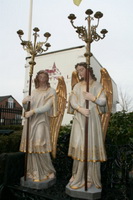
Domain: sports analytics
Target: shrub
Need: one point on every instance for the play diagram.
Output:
(120, 130)
(10, 143)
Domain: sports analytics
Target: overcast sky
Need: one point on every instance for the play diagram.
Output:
(115, 52)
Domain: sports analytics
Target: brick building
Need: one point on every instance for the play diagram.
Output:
(10, 111)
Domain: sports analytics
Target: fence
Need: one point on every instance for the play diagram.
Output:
(10, 116)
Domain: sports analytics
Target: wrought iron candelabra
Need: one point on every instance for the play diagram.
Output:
(88, 35)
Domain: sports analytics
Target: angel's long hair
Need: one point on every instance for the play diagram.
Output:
(83, 64)
(36, 80)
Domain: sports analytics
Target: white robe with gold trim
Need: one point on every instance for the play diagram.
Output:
(96, 150)
(39, 165)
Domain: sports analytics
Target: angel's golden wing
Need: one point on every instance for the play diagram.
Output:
(108, 89)
(55, 122)
(74, 79)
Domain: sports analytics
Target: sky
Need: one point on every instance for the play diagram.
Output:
(114, 52)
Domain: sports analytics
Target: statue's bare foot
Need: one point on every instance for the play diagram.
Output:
(89, 185)
(71, 179)
(51, 175)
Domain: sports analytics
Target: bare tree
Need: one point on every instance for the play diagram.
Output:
(125, 101)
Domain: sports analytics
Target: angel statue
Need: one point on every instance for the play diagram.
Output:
(47, 107)
(98, 114)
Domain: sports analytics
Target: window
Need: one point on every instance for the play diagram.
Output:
(17, 116)
(10, 102)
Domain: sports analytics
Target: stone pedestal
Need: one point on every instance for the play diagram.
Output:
(92, 193)
(37, 185)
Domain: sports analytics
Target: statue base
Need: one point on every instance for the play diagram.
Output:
(92, 193)
(37, 185)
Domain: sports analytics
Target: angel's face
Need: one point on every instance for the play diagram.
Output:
(81, 71)
(43, 78)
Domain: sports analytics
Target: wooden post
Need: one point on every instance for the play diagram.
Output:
(28, 108)
(87, 102)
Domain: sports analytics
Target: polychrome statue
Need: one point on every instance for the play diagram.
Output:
(47, 107)
(98, 114)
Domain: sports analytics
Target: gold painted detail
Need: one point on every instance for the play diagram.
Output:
(37, 180)
(75, 158)
(74, 79)
(55, 122)
(74, 187)
(30, 152)
(108, 88)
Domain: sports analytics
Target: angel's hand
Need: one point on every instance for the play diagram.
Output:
(26, 99)
(29, 113)
(84, 111)
(88, 96)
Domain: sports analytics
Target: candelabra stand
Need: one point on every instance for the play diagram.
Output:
(33, 49)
